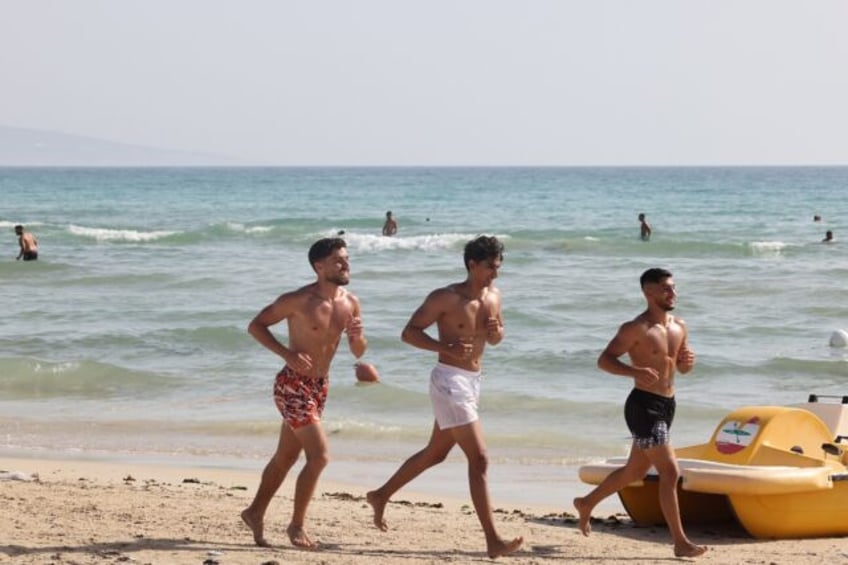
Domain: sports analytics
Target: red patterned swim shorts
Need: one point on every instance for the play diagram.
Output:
(300, 399)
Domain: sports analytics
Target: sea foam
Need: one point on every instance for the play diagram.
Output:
(132, 236)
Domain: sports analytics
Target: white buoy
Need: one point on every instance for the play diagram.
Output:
(839, 338)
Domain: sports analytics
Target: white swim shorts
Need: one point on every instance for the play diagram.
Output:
(454, 394)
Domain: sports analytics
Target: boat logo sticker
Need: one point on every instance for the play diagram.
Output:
(735, 436)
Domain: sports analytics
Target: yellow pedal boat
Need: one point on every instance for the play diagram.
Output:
(780, 471)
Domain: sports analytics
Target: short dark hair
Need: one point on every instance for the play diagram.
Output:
(325, 247)
(482, 248)
(653, 275)
(19, 227)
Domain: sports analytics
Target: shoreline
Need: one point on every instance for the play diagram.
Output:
(545, 487)
(94, 511)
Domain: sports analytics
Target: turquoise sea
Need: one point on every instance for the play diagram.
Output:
(128, 337)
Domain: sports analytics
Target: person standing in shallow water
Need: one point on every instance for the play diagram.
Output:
(644, 228)
(390, 228)
(317, 315)
(27, 243)
(657, 344)
(467, 316)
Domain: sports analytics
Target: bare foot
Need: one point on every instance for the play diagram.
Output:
(298, 537)
(689, 550)
(502, 548)
(379, 507)
(585, 514)
(256, 526)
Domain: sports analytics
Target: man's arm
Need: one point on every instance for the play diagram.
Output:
(356, 331)
(436, 305)
(425, 316)
(495, 323)
(273, 314)
(610, 361)
(685, 356)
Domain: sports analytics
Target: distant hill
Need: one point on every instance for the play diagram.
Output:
(40, 148)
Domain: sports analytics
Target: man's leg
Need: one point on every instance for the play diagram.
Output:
(288, 450)
(440, 444)
(470, 440)
(314, 443)
(635, 469)
(663, 459)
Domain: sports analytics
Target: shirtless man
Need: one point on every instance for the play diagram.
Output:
(657, 344)
(317, 315)
(390, 227)
(467, 316)
(28, 243)
(644, 228)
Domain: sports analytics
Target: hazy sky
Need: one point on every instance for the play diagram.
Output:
(451, 82)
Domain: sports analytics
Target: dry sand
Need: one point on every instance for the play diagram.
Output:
(117, 512)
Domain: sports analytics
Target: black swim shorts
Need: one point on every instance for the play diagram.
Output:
(649, 417)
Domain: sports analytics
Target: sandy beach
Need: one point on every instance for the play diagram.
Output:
(71, 511)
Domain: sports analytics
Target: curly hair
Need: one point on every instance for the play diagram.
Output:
(323, 248)
(482, 248)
